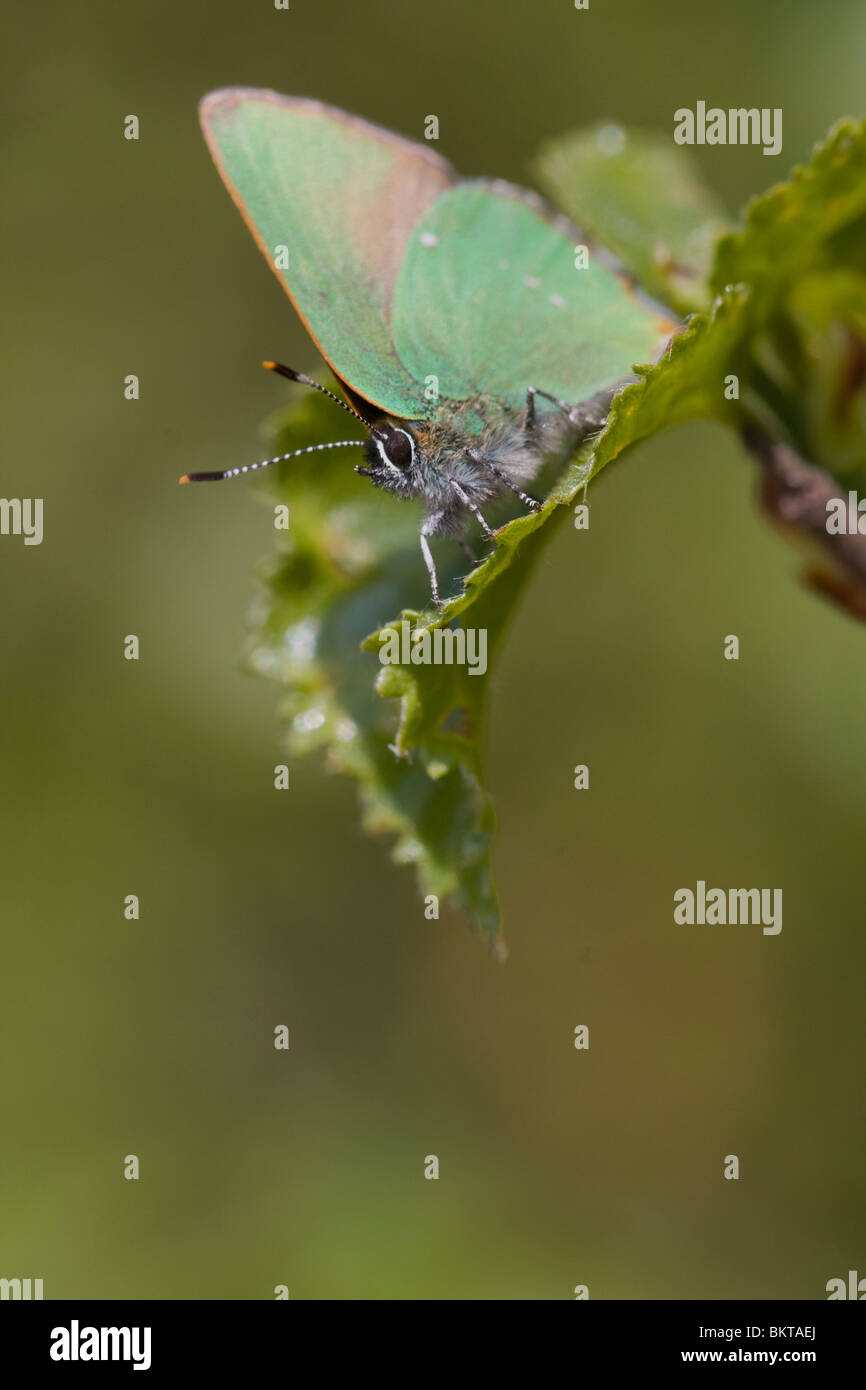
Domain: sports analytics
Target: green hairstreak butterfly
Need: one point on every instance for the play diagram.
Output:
(471, 335)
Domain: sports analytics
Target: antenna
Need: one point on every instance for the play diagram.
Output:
(291, 375)
(266, 463)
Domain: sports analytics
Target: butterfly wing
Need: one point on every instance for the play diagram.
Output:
(342, 197)
(490, 300)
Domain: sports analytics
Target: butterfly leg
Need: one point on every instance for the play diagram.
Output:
(428, 528)
(502, 477)
(529, 412)
(471, 507)
(587, 416)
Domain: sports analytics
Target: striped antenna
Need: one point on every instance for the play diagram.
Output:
(266, 463)
(291, 375)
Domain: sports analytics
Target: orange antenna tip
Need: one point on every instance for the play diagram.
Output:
(271, 366)
(184, 479)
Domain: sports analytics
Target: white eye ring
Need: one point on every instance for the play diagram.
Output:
(384, 457)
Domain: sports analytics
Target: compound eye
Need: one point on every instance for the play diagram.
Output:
(399, 448)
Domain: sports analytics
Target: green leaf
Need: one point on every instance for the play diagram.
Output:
(814, 218)
(788, 319)
(639, 195)
(350, 557)
(800, 263)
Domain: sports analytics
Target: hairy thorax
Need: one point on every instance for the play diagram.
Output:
(432, 457)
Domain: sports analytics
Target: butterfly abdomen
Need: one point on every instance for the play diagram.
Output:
(512, 449)
(450, 451)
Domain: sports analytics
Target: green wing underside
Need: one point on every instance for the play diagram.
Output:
(489, 299)
(401, 275)
(342, 197)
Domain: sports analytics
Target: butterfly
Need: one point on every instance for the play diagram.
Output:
(472, 333)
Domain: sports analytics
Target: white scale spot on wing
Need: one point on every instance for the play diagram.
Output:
(429, 239)
(531, 282)
(557, 301)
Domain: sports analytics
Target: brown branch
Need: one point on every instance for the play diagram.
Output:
(794, 494)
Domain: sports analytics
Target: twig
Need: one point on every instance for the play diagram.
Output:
(795, 494)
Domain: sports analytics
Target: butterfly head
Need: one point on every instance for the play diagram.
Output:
(393, 457)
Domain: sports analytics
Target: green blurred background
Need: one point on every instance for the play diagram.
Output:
(155, 1037)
